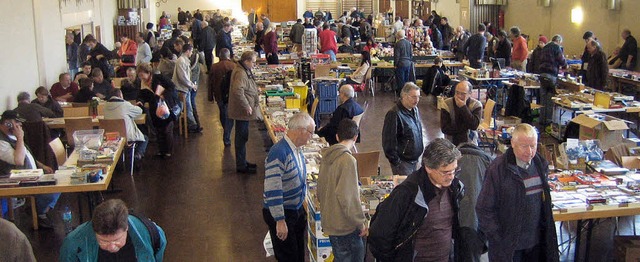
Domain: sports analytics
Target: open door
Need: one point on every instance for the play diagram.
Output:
(276, 10)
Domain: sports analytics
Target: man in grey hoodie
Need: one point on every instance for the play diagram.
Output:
(339, 196)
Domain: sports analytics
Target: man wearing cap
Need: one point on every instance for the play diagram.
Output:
(15, 155)
(533, 65)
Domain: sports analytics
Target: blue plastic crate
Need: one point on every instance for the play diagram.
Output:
(327, 106)
(327, 90)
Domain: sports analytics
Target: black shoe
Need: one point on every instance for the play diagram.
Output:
(45, 223)
(246, 170)
(196, 130)
(251, 165)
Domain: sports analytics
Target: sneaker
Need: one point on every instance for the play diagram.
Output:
(45, 223)
(18, 202)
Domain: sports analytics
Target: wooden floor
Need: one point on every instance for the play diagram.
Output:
(208, 211)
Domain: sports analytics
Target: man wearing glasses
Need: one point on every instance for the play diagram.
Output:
(514, 205)
(461, 115)
(419, 218)
(285, 189)
(113, 235)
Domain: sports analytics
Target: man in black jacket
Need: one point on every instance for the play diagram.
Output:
(419, 219)
(402, 132)
(224, 39)
(348, 108)
(207, 43)
(514, 205)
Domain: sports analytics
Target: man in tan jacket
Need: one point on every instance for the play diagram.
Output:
(339, 196)
(243, 107)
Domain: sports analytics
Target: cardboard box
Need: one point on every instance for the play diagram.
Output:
(607, 129)
(508, 121)
(627, 248)
(631, 162)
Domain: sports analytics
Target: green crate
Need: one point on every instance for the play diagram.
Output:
(279, 93)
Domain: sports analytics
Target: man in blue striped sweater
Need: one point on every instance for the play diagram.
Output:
(285, 188)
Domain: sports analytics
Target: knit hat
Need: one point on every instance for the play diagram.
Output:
(543, 39)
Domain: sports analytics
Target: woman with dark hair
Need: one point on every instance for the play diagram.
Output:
(358, 76)
(154, 88)
(503, 48)
(167, 62)
(371, 43)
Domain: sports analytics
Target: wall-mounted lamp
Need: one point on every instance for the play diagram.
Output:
(545, 3)
(613, 4)
(576, 15)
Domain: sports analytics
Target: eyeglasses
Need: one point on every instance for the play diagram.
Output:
(119, 241)
(310, 132)
(449, 173)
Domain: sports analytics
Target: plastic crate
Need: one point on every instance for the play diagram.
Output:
(327, 106)
(327, 90)
(278, 93)
(292, 103)
(302, 91)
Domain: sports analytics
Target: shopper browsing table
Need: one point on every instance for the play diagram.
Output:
(402, 59)
(551, 59)
(284, 190)
(598, 69)
(520, 50)
(219, 82)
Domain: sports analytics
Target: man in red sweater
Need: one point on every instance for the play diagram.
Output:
(64, 90)
(520, 50)
(328, 43)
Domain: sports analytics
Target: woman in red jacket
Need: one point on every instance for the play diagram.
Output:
(127, 52)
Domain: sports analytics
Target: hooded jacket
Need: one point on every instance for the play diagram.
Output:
(338, 192)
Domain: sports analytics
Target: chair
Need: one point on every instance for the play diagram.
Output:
(367, 163)
(367, 82)
(183, 125)
(101, 109)
(77, 104)
(58, 150)
(75, 111)
(314, 108)
(118, 125)
(487, 139)
(74, 124)
(357, 119)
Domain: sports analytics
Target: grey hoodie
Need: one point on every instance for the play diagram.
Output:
(338, 192)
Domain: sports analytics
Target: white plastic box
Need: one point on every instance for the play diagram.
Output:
(91, 139)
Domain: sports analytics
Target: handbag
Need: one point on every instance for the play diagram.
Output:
(162, 111)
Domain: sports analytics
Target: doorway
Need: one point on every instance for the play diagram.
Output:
(276, 10)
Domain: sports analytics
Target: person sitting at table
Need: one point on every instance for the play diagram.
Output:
(130, 86)
(86, 91)
(114, 235)
(65, 89)
(44, 99)
(614, 60)
(346, 46)
(85, 72)
(117, 108)
(348, 108)
(371, 44)
(15, 155)
(101, 86)
(358, 76)
(436, 79)
(31, 112)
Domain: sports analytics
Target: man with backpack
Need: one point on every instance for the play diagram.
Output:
(113, 234)
(219, 82)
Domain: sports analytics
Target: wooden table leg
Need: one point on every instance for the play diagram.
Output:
(10, 214)
(34, 212)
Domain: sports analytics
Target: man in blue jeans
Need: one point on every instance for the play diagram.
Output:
(402, 58)
(342, 216)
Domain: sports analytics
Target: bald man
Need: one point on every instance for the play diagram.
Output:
(461, 115)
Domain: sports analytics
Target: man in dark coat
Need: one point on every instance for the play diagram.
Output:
(207, 43)
(474, 47)
(224, 40)
(348, 109)
(99, 57)
(629, 51)
(514, 205)
(598, 69)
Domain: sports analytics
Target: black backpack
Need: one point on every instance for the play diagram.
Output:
(225, 85)
(151, 228)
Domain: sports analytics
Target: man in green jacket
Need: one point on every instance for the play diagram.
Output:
(339, 196)
(113, 233)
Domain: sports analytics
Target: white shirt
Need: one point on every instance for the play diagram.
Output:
(144, 53)
(6, 155)
(297, 152)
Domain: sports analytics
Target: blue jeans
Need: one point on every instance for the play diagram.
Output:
(242, 136)
(191, 121)
(349, 248)
(227, 124)
(332, 54)
(46, 201)
(73, 71)
(402, 76)
(141, 146)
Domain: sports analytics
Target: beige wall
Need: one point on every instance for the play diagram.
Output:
(556, 19)
(449, 9)
(171, 7)
(33, 51)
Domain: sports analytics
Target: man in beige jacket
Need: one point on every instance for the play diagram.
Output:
(243, 107)
(339, 196)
